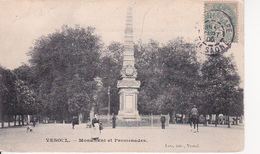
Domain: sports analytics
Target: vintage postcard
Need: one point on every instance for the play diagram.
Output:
(122, 76)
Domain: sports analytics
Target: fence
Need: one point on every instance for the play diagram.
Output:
(145, 121)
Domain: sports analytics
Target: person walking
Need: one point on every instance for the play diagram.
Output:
(75, 121)
(34, 121)
(114, 121)
(163, 120)
(95, 131)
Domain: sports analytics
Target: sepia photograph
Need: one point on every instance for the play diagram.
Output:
(122, 76)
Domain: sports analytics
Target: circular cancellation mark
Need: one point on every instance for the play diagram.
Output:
(218, 33)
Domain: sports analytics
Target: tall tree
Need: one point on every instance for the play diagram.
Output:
(57, 58)
(7, 93)
(168, 74)
(221, 81)
(181, 72)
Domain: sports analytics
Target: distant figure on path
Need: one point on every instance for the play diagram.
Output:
(75, 121)
(95, 133)
(233, 122)
(114, 121)
(163, 120)
(194, 118)
(34, 121)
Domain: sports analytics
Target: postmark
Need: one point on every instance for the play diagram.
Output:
(220, 27)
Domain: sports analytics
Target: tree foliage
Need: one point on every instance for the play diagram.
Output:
(64, 59)
(221, 81)
(25, 99)
(110, 67)
(16, 95)
(8, 91)
(168, 74)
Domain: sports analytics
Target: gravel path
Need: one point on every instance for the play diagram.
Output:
(175, 138)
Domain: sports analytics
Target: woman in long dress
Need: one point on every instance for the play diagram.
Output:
(95, 133)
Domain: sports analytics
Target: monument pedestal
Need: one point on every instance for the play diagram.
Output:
(128, 99)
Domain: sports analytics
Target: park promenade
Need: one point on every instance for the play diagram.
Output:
(175, 138)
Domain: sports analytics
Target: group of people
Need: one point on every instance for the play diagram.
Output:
(193, 117)
(96, 125)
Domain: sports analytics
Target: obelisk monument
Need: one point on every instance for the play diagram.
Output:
(128, 85)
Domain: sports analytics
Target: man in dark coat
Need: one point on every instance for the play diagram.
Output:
(114, 121)
(163, 120)
(74, 121)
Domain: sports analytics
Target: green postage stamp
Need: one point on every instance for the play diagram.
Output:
(221, 22)
(220, 27)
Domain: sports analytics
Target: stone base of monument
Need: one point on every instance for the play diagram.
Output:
(128, 115)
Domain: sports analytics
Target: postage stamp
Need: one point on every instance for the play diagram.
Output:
(220, 27)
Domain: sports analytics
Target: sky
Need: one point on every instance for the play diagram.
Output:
(24, 21)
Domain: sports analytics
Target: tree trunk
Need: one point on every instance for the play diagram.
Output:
(228, 122)
(216, 121)
(3, 120)
(182, 118)
(14, 120)
(2, 111)
(236, 120)
(171, 117)
(210, 119)
(22, 119)
(176, 119)
(27, 120)
(9, 119)
(39, 118)
(206, 121)
(19, 119)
